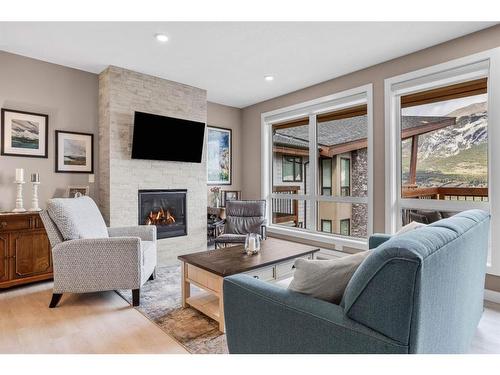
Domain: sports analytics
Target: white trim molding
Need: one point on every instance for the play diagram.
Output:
(480, 65)
(348, 98)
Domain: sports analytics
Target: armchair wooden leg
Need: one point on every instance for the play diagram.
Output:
(153, 275)
(136, 297)
(56, 297)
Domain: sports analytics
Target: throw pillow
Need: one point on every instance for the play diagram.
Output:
(410, 226)
(325, 279)
(77, 218)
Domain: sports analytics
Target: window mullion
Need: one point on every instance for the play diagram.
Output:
(313, 171)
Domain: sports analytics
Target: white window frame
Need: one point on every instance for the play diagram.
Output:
(348, 98)
(480, 65)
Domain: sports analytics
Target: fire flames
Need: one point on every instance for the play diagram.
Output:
(160, 217)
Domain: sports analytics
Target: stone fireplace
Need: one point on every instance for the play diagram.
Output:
(166, 209)
(121, 93)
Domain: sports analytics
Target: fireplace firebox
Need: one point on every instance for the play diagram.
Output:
(166, 209)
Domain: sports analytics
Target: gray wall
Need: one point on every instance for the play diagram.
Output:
(230, 118)
(469, 44)
(69, 97)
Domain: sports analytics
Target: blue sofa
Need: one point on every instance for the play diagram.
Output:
(418, 292)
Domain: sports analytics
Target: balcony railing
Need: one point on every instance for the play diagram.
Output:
(286, 210)
(446, 193)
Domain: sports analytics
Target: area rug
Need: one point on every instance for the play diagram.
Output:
(161, 303)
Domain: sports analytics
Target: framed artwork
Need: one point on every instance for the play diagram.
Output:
(74, 191)
(219, 155)
(24, 134)
(229, 195)
(74, 152)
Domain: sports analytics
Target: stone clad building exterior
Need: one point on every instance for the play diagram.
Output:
(342, 170)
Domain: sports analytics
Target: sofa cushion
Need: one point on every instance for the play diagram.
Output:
(77, 218)
(325, 279)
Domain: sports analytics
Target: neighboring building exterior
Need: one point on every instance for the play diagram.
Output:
(342, 170)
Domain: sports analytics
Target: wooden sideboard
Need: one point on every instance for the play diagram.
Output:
(25, 253)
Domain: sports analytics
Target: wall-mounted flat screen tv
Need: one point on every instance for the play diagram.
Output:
(167, 138)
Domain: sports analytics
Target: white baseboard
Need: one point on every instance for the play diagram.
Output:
(492, 296)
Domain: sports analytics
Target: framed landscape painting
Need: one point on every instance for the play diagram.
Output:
(74, 152)
(219, 156)
(24, 134)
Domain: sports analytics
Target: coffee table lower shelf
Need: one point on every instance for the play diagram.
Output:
(207, 303)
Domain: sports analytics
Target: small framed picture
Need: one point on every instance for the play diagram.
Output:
(77, 191)
(229, 195)
(24, 134)
(74, 152)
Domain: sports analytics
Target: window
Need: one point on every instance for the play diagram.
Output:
(444, 147)
(345, 227)
(440, 149)
(345, 177)
(326, 226)
(317, 167)
(292, 169)
(444, 143)
(326, 176)
(290, 160)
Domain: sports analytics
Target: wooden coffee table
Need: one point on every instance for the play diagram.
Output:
(207, 270)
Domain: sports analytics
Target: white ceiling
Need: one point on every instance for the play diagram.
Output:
(229, 60)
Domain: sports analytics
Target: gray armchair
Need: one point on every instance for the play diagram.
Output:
(88, 257)
(243, 217)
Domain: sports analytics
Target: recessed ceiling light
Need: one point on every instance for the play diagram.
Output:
(269, 78)
(161, 38)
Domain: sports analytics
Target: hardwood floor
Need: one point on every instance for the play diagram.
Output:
(84, 323)
(105, 323)
(487, 339)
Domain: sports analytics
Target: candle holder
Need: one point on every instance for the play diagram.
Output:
(34, 200)
(252, 244)
(19, 198)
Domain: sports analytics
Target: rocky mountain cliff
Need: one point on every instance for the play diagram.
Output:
(454, 155)
(470, 130)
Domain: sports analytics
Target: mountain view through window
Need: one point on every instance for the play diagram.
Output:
(447, 143)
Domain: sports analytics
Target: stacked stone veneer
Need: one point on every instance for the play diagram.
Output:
(121, 92)
(359, 182)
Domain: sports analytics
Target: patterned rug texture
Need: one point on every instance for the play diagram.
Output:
(161, 303)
